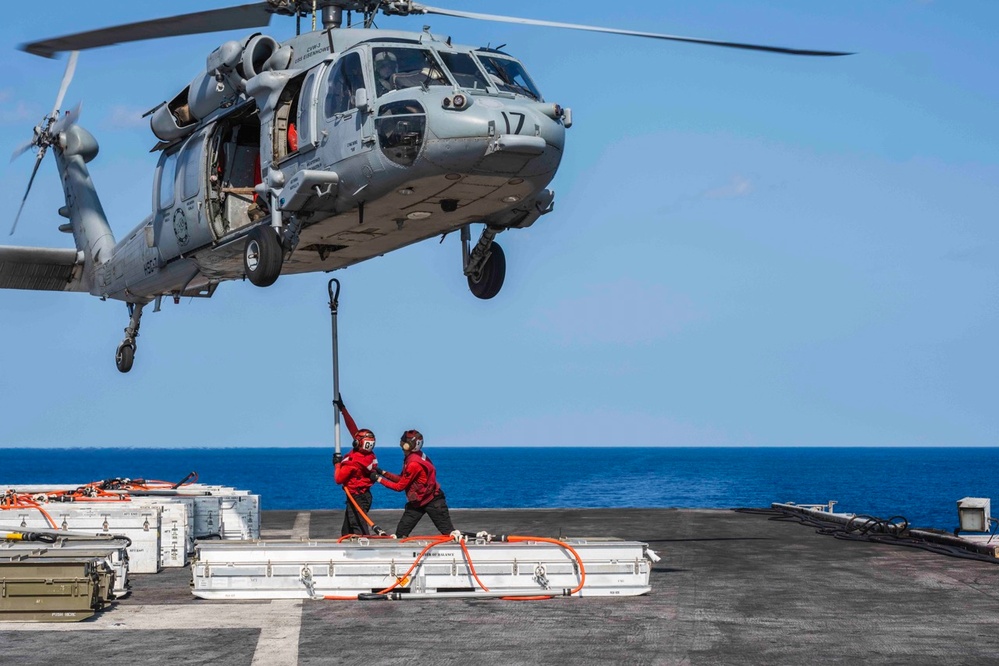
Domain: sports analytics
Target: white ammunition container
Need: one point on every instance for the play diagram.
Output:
(141, 524)
(176, 527)
(296, 570)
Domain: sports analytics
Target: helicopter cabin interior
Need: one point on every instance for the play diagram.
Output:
(234, 170)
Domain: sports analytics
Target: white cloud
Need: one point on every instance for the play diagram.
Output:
(127, 117)
(739, 186)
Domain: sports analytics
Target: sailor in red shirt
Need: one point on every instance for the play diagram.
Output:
(354, 472)
(419, 481)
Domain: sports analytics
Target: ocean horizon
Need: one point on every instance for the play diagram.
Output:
(923, 484)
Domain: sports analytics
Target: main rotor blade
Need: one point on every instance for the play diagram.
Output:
(423, 9)
(66, 119)
(230, 18)
(66, 78)
(38, 161)
(22, 149)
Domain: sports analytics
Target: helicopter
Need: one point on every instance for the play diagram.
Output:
(336, 146)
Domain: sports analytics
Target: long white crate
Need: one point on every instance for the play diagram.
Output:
(176, 521)
(240, 517)
(221, 511)
(207, 516)
(296, 570)
(176, 527)
(141, 524)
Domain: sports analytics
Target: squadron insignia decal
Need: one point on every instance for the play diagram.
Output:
(180, 227)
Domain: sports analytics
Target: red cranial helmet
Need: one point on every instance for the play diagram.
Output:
(364, 440)
(411, 440)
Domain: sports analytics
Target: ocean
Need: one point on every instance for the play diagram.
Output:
(921, 484)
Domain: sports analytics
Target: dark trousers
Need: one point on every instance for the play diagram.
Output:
(353, 523)
(436, 509)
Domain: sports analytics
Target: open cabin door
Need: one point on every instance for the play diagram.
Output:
(233, 172)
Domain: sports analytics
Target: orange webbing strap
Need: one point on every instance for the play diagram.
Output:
(350, 498)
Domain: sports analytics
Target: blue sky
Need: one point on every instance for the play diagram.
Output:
(746, 249)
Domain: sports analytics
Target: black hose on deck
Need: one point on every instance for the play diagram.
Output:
(875, 530)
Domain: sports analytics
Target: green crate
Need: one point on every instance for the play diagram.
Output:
(64, 590)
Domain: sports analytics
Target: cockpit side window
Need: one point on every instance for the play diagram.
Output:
(191, 165)
(464, 70)
(399, 68)
(346, 78)
(509, 75)
(168, 174)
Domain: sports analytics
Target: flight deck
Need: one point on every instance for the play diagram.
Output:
(732, 587)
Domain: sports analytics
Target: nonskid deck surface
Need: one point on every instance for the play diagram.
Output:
(731, 588)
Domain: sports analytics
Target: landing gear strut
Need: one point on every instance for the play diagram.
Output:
(125, 355)
(263, 256)
(485, 264)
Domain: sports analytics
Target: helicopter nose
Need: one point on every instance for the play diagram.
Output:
(488, 135)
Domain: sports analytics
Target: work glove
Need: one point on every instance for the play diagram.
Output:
(376, 475)
(337, 458)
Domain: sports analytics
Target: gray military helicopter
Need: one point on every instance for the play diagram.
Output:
(333, 147)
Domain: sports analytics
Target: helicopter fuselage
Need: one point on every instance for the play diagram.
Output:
(344, 163)
(329, 149)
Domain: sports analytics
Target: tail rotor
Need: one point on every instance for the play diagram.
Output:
(46, 133)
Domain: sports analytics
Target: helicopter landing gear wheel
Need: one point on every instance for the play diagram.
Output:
(125, 356)
(489, 280)
(263, 257)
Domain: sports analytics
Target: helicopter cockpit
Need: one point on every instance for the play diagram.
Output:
(508, 75)
(401, 68)
(398, 68)
(400, 118)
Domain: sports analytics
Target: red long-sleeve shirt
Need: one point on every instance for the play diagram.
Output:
(418, 479)
(354, 471)
(347, 420)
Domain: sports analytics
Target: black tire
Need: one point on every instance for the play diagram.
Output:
(124, 357)
(490, 278)
(263, 257)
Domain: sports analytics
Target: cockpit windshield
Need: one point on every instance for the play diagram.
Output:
(464, 70)
(508, 75)
(399, 68)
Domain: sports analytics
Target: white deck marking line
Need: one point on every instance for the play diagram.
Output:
(278, 642)
(197, 615)
(300, 530)
(279, 621)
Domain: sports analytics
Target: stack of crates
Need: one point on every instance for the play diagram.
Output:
(163, 525)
